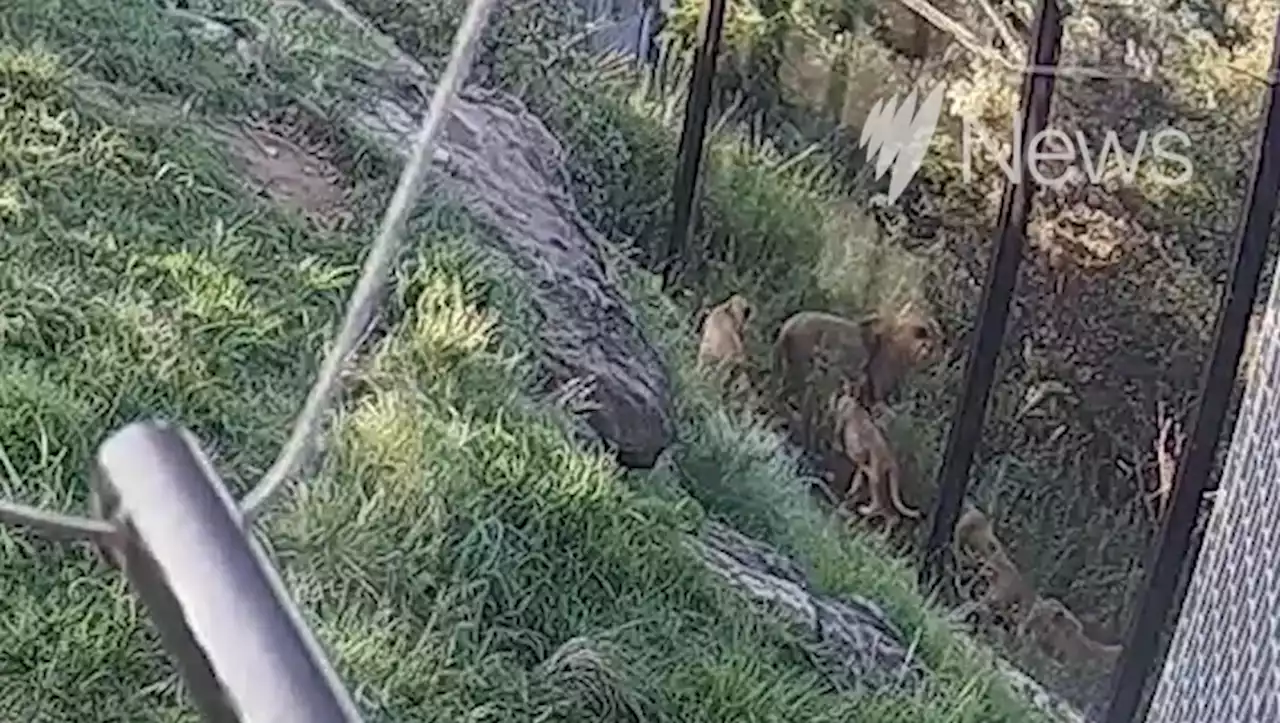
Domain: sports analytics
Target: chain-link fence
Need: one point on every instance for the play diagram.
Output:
(1222, 662)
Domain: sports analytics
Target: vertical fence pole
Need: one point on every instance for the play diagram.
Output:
(1002, 275)
(1161, 591)
(216, 600)
(689, 158)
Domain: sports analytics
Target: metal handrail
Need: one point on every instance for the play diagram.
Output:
(217, 601)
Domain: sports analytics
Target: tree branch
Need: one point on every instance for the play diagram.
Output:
(1013, 46)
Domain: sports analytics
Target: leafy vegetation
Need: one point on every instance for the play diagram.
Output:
(459, 554)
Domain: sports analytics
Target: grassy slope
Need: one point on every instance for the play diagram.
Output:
(460, 557)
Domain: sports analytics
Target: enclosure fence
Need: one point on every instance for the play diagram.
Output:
(187, 548)
(1239, 672)
(1224, 660)
(1163, 593)
(1141, 657)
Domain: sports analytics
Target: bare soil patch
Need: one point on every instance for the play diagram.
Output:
(291, 167)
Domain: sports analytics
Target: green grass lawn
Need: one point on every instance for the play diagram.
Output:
(459, 555)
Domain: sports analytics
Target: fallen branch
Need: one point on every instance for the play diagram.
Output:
(960, 33)
(1169, 444)
(1013, 47)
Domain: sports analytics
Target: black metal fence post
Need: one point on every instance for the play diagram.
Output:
(1002, 275)
(692, 136)
(219, 606)
(1161, 590)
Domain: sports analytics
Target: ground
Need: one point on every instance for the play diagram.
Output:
(460, 555)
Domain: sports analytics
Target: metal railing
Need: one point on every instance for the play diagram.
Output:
(186, 547)
(213, 595)
(997, 292)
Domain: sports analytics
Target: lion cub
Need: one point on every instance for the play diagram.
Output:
(723, 331)
(862, 441)
(1061, 633)
(1008, 592)
(723, 347)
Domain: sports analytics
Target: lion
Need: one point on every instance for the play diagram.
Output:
(897, 346)
(1007, 591)
(974, 533)
(864, 444)
(876, 352)
(723, 346)
(722, 333)
(1060, 633)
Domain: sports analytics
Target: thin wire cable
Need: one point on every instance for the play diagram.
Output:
(50, 525)
(373, 278)
(54, 526)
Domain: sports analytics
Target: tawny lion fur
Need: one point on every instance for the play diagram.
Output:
(974, 533)
(1007, 590)
(1061, 633)
(874, 465)
(876, 352)
(723, 331)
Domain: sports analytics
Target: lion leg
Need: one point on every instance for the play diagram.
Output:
(891, 523)
(856, 480)
(809, 414)
(877, 506)
(871, 509)
(789, 387)
(873, 514)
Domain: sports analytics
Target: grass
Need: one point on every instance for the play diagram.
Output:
(779, 238)
(459, 555)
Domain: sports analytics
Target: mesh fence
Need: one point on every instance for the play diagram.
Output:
(1222, 665)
